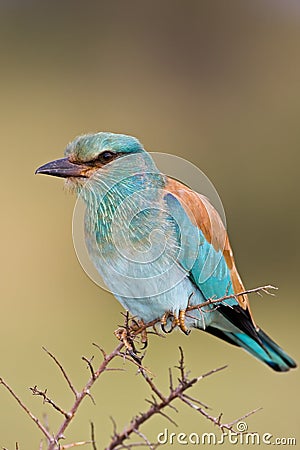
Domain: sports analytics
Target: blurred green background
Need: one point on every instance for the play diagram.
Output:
(217, 83)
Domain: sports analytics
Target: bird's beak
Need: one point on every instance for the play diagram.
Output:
(63, 168)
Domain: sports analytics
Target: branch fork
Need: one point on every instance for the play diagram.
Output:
(159, 401)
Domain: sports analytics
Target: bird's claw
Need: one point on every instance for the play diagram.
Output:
(176, 321)
(164, 320)
(181, 320)
(135, 357)
(136, 325)
(144, 339)
(123, 335)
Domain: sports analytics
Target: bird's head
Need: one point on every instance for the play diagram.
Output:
(89, 153)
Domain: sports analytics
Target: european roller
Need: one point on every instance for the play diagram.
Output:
(160, 247)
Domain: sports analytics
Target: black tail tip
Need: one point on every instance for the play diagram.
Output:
(285, 361)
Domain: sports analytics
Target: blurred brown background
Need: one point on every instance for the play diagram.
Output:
(217, 83)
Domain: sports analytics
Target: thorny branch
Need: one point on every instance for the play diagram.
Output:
(156, 407)
(158, 403)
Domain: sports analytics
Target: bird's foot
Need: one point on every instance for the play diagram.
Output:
(144, 338)
(181, 320)
(124, 335)
(164, 320)
(176, 321)
(138, 326)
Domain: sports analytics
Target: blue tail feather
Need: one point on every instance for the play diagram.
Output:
(253, 340)
(268, 352)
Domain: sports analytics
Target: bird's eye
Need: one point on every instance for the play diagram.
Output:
(106, 157)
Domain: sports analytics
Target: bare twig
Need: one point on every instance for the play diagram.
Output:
(244, 416)
(74, 444)
(100, 349)
(36, 391)
(124, 355)
(89, 363)
(28, 412)
(159, 400)
(93, 436)
(181, 365)
(141, 435)
(84, 392)
(158, 407)
(266, 289)
(66, 377)
(195, 400)
(132, 445)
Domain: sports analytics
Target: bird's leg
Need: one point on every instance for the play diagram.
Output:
(135, 326)
(144, 336)
(181, 320)
(123, 335)
(175, 322)
(164, 320)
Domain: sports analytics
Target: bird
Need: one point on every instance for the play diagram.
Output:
(161, 248)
